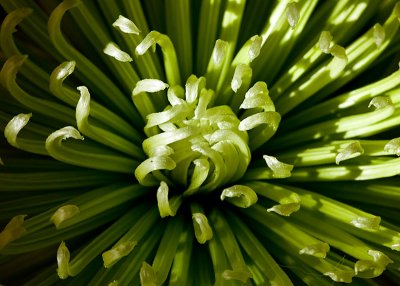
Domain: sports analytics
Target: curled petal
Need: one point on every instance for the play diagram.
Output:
(372, 222)
(149, 85)
(14, 126)
(255, 47)
(200, 173)
(110, 257)
(150, 165)
(325, 40)
(219, 52)
(351, 151)
(126, 26)
(193, 87)
(148, 276)
(63, 257)
(379, 34)
(114, 51)
(393, 146)
(240, 196)
(64, 213)
(339, 61)
(170, 59)
(373, 267)
(270, 118)
(279, 169)
(381, 102)
(341, 275)
(242, 72)
(13, 230)
(317, 250)
(202, 228)
(292, 14)
(164, 206)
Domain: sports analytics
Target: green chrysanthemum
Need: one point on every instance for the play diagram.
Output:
(214, 142)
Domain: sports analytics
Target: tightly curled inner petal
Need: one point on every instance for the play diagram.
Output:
(199, 139)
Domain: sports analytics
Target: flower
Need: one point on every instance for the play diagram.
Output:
(199, 142)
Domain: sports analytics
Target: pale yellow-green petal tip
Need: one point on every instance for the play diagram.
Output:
(236, 274)
(166, 206)
(112, 256)
(319, 250)
(113, 283)
(325, 42)
(380, 102)
(63, 257)
(14, 126)
(112, 50)
(341, 275)
(149, 85)
(148, 276)
(373, 267)
(393, 146)
(62, 72)
(64, 213)
(285, 209)
(240, 196)
(255, 47)
(372, 222)
(279, 169)
(219, 52)
(13, 230)
(202, 228)
(350, 151)
(126, 26)
(292, 14)
(241, 71)
(63, 134)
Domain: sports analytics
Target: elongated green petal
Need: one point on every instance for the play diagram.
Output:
(73, 155)
(86, 68)
(8, 79)
(98, 134)
(170, 59)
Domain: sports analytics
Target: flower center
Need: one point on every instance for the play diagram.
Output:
(191, 143)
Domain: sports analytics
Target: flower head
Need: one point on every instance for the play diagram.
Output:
(214, 142)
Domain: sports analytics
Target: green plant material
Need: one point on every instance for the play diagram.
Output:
(210, 142)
